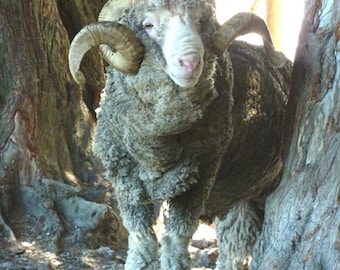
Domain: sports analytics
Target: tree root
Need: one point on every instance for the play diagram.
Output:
(11, 243)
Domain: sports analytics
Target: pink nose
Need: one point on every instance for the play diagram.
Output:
(190, 63)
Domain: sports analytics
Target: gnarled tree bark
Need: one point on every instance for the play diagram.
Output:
(46, 125)
(302, 222)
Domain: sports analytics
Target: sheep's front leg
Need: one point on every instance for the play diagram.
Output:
(180, 226)
(142, 252)
(237, 232)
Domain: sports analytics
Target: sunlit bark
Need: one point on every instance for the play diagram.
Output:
(302, 223)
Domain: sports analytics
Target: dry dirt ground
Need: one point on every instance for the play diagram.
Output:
(31, 251)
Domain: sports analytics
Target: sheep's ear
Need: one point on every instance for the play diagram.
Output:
(125, 54)
(245, 23)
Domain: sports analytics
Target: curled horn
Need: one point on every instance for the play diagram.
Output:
(125, 52)
(111, 11)
(245, 23)
(128, 49)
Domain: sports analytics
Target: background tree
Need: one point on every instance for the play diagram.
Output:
(274, 20)
(46, 125)
(302, 222)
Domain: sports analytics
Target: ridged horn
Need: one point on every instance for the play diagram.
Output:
(111, 11)
(245, 23)
(129, 50)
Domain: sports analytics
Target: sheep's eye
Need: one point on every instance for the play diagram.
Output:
(147, 25)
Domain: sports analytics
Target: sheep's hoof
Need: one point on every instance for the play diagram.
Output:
(140, 264)
(142, 254)
(174, 252)
(173, 263)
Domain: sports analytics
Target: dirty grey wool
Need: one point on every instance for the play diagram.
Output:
(158, 141)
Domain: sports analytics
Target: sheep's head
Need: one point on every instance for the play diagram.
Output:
(176, 31)
(179, 28)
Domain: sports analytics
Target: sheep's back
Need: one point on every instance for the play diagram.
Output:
(252, 163)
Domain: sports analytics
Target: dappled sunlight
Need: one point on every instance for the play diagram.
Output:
(28, 252)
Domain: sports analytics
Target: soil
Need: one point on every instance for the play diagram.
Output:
(34, 249)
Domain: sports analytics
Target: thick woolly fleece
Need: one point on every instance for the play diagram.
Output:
(151, 133)
(253, 161)
(160, 142)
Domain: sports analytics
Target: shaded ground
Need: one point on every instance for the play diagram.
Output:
(34, 250)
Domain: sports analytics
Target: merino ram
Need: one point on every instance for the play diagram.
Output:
(188, 119)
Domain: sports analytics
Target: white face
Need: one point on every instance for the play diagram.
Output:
(181, 44)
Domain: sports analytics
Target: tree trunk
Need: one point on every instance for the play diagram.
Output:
(274, 20)
(47, 121)
(302, 223)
